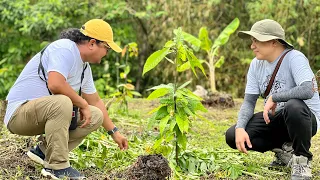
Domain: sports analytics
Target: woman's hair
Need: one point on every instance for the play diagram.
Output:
(75, 35)
(282, 42)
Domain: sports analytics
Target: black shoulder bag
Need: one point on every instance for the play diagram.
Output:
(266, 93)
(75, 109)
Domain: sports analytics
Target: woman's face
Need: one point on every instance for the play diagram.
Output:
(262, 50)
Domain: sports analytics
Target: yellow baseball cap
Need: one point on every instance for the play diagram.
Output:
(100, 30)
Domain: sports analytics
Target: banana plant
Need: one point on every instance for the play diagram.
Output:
(178, 105)
(212, 49)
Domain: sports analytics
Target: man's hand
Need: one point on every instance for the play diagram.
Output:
(85, 114)
(242, 137)
(270, 105)
(120, 140)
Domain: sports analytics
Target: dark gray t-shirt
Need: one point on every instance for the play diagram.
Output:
(294, 70)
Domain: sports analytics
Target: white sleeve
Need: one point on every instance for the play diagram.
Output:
(61, 61)
(88, 84)
(301, 70)
(252, 86)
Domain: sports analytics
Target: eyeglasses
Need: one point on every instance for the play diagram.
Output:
(107, 46)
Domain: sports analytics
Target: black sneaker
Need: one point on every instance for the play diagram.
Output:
(68, 173)
(36, 155)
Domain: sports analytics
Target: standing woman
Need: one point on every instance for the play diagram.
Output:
(291, 109)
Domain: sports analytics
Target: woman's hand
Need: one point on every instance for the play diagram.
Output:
(270, 105)
(241, 138)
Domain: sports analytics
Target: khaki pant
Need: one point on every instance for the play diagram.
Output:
(51, 115)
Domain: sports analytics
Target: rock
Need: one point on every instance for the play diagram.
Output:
(201, 92)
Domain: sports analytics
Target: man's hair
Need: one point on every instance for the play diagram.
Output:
(75, 35)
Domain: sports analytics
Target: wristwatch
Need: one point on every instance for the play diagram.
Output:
(115, 129)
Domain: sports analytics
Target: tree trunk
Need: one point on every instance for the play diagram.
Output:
(212, 75)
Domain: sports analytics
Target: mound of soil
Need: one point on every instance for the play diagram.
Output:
(219, 100)
(154, 167)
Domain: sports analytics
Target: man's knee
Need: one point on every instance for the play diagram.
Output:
(62, 104)
(230, 137)
(96, 116)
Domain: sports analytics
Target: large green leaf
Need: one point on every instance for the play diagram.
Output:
(163, 123)
(180, 122)
(154, 59)
(158, 93)
(204, 38)
(192, 40)
(182, 140)
(225, 34)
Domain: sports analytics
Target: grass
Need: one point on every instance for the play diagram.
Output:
(99, 158)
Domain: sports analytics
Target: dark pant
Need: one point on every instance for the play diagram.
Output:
(294, 123)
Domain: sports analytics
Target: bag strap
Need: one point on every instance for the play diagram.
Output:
(266, 93)
(40, 68)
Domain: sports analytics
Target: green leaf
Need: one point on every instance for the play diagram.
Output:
(194, 62)
(178, 39)
(155, 109)
(181, 54)
(161, 113)
(180, 122)
(123, 75)
(192, 40)
(135, 93)
(173, 123)
(158, 93)
(225, 34)
(195, 105)
(220, 62)
(182, 140)
(185, 84)
(169, 137)
(154, 59)
(169, 44)
(234, 171)
(127, 70)
(157, 143)
(167, 101)
(168, 86)
(204, 38)
(189, 94)
(185, 66)
(163, 123)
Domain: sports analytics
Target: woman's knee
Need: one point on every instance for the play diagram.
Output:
(294, 106)
(230, 137)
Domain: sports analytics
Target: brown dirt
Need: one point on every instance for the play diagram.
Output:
(219, 100)
(154, 167)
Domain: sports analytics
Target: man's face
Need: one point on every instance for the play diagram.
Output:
(98, 51)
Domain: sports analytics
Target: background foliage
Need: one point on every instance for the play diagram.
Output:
(27, 25)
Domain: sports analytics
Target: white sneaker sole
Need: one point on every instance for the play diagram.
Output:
(35, 158)
(48, 174)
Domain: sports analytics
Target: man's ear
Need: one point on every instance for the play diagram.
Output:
(91, 43)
